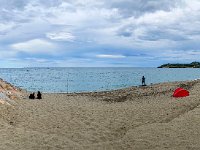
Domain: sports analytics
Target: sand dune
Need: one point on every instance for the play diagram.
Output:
(133, 118)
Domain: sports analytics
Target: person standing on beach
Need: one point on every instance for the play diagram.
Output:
(143, 81)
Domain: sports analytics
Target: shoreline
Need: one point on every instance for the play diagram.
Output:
(94, 80)
(111, 90)
(118, 95)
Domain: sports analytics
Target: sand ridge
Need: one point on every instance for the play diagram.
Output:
(131, 118)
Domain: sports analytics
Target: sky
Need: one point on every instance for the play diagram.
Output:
(98, 33)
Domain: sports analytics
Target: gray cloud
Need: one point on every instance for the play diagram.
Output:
(160, 34)
(13, 4)
(138, 7)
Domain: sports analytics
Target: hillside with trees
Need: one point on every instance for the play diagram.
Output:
(191, 65)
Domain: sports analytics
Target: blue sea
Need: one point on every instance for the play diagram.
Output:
(91, 79)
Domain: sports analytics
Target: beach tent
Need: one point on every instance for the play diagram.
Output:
(180, 92)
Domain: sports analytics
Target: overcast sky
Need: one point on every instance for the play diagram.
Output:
(96, 33)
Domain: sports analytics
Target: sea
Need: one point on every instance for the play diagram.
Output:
(70, 80)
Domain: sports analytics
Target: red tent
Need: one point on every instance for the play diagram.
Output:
(180, 92)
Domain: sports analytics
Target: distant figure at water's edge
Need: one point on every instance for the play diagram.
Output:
(143, 81)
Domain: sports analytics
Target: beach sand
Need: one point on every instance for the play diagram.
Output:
(135, 118)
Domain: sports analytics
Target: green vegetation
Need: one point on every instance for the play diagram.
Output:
(191, 65)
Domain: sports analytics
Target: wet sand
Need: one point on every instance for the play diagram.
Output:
(133, 118)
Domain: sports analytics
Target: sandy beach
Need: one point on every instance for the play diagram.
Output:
(133, 118)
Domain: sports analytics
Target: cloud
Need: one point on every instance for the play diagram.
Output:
(137, 8)
(6, 27)
(35, 46)
(61, 36)
(110, 56)
(12, 4)
(100, 30)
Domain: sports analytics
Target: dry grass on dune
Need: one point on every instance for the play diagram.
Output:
(132, 118)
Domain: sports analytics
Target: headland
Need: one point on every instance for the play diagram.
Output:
(177, 65)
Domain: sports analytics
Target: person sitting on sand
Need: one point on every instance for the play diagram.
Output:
(32, 96)
(39, 95)
(143, 81)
